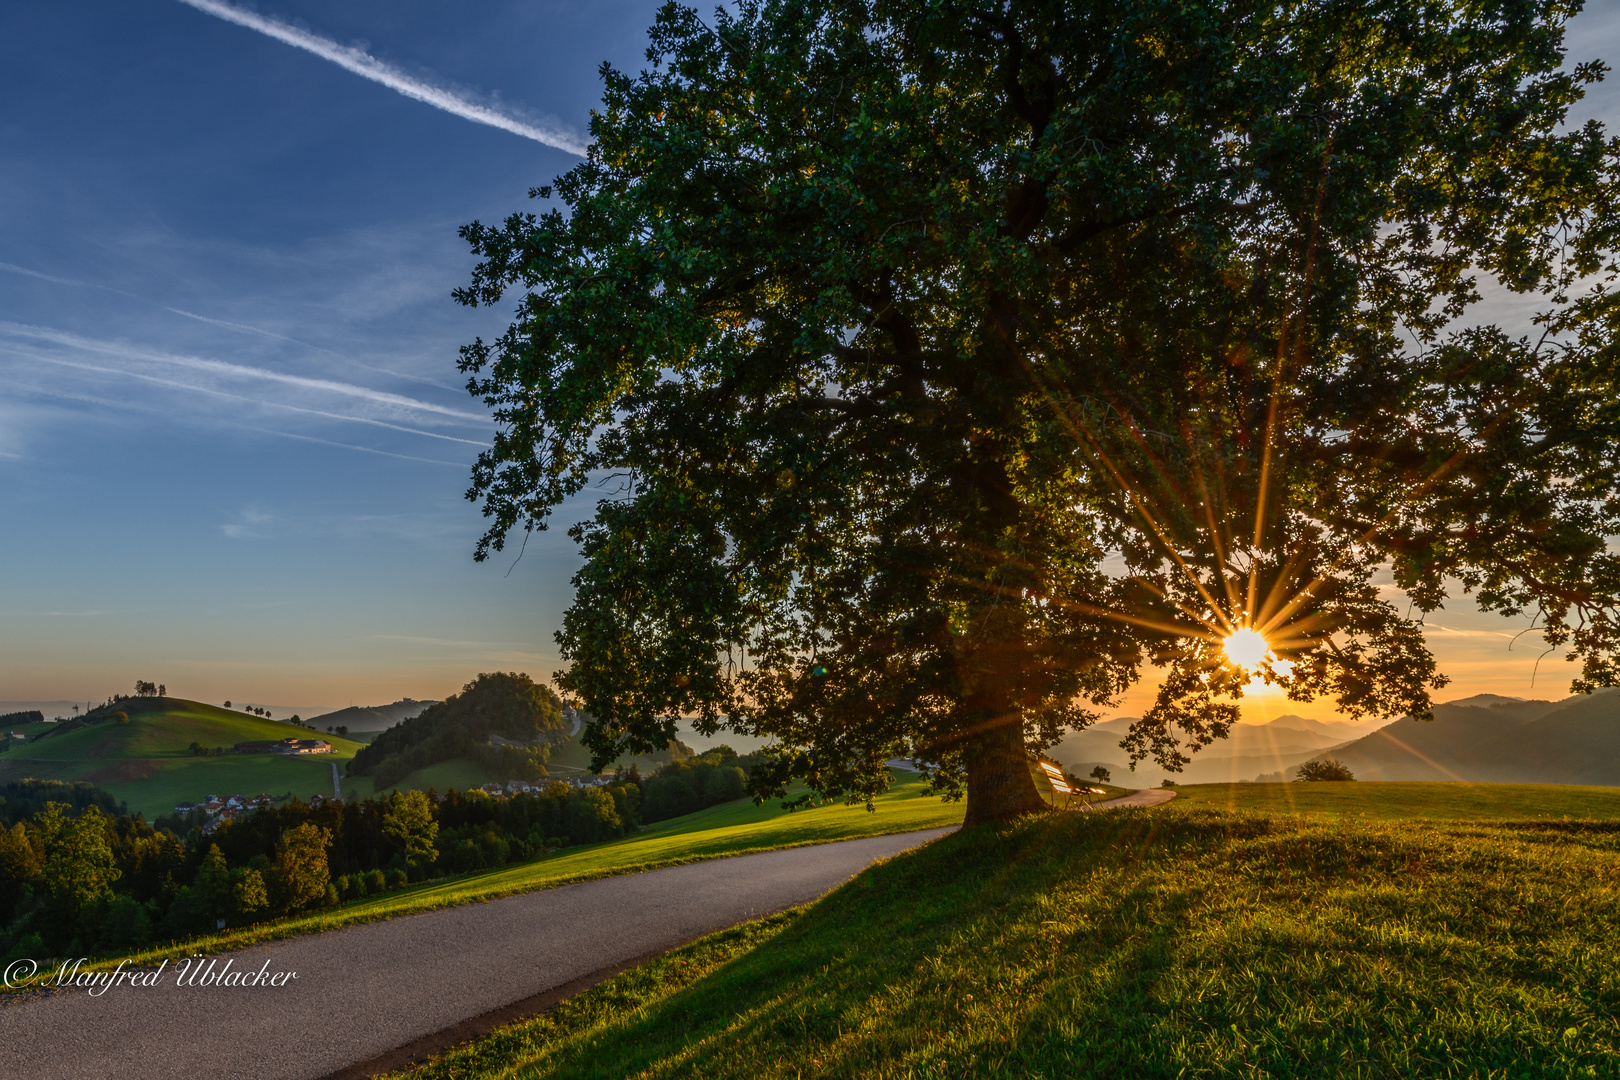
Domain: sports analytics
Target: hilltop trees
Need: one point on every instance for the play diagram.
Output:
(962, 360)
(503, 719)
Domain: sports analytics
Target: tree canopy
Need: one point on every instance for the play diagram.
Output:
(504, 719)
(955, 363)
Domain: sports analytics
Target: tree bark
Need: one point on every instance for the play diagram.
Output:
(999, 786)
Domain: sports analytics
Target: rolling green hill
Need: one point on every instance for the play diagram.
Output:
(1176, 942)
(148, 762)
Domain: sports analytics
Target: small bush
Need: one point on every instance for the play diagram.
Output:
(1325, 769)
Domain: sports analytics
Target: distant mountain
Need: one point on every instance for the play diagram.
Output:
(371, 717)
(1489, 739)
(1251, 749)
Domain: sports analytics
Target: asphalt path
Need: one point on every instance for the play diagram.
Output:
(374, 996)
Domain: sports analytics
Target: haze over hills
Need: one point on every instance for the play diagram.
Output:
(1485, 738)
(1491, 739)
(1251, 750)
(371, 718)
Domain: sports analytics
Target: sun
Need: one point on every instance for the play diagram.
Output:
(1246, 649)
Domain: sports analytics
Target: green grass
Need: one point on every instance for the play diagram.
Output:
(148, 764)
(1400, 801)
(1180, 941)
(729, 829)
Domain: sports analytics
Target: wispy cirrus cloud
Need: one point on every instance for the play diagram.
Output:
(235, 371)
(358, 61)
(248, 395)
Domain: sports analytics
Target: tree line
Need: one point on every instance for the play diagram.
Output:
(81, 876)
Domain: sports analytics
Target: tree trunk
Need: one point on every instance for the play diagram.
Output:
(999, 786)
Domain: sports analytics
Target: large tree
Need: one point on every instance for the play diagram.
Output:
(953, 363)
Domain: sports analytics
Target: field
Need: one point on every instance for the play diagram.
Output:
(1399, 801)
(1182, 941)
(147, 762)
(729, 829)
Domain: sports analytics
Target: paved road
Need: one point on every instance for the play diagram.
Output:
(364, 991)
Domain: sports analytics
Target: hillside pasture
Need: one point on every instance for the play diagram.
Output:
(1173, 942)
(148, 762)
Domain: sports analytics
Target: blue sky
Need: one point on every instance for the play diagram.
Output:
(233, 442)
(226, 292)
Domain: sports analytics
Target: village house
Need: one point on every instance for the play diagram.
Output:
(303, 746)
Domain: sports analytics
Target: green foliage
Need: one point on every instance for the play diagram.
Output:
(300, 874)
(126, 926)
(683, 786)
(78, 866)
(29, 716)
(215, 890)
(22, 860)
(904, 318)
(502, 705)
(1325, 769)
(20, 799)
(249, 895)
(410, 824)
(1145, 944)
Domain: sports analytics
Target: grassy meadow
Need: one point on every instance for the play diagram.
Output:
(147, 762)
(1396, 801)
(1188, 940)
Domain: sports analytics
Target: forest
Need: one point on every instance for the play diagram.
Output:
(81, 877)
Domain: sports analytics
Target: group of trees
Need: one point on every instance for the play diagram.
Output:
(969, 361)
(150, 689)
(504, 721)
(689, 784)
(78, 876)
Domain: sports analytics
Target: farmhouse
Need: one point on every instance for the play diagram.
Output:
(303, 746)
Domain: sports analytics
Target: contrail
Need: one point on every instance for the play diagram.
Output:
(241, 371)
(369, 67)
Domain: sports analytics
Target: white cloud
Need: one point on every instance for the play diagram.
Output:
(235, 371)
(247, 524)
(457, 102)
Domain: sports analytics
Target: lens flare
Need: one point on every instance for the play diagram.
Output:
(1246, 649)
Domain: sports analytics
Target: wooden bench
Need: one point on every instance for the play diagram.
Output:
(1061, 786)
